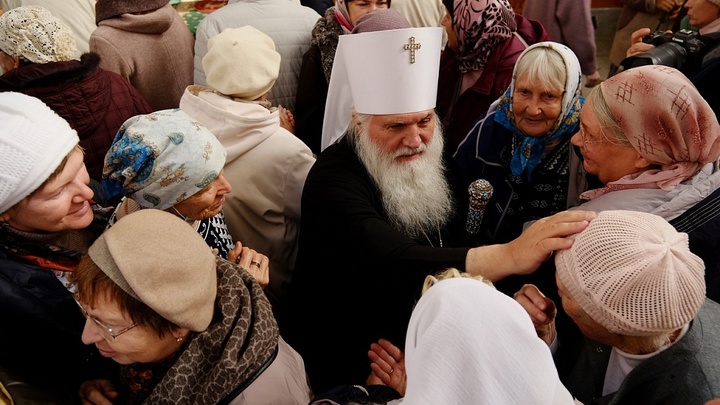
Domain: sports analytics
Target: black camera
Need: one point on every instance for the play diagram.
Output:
(682, 50)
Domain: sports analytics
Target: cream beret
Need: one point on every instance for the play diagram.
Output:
(160, 260)
(241, 62)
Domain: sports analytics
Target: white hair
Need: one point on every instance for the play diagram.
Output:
(415, 195)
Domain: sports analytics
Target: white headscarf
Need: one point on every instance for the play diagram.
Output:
(467, 343)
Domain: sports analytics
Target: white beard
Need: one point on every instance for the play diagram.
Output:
(415, 194)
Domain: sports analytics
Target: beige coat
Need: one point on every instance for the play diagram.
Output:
(154, 51)
(266, 166)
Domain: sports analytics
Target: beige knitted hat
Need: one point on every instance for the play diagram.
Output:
(241, 62)
(32, 34)
(160, 260)
(633, 273)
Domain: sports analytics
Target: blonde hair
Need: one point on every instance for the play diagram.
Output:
(451, 272)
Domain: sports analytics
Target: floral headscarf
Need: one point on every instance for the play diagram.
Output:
(530, 151)
(666, 120)
(481, 26)
(162, 158)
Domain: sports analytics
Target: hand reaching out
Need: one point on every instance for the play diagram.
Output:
(542, 311)
(255, 263)
(388, 366)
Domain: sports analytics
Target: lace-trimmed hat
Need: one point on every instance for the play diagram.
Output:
(33, 34)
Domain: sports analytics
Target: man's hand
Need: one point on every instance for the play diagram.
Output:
(593, 79)
(388, 366)
(637, 46)
(527, 252)
(97, 392)
(665, 5)
(542, 311)
(541, 239)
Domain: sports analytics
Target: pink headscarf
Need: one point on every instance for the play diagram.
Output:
(481, 26)
(666, 120)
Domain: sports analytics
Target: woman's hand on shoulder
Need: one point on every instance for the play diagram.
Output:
(97, 392)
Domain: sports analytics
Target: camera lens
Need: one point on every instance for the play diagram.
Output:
(667, 54)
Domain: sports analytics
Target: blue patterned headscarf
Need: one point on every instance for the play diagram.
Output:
(162, 158)
(528, 154)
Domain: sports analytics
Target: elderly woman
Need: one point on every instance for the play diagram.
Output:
(485, 38)
(38, 57)
(448, 332)
(265, 211)
(318, 62)
(168, 161)
(186, 326)
(654, 142)
(522, 147)
(636, 292)
(47, 222)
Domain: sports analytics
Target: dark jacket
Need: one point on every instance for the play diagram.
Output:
(93, 101)
(348, 252)
(40, 332)
(310, 101)
(688, 372)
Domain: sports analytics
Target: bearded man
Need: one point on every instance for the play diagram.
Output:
(377, 214)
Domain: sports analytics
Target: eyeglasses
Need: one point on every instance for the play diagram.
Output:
(587, 141)
(107, 332)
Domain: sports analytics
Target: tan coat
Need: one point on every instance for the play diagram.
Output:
(154, 51)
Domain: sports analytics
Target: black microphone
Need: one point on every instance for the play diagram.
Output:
(480, 193)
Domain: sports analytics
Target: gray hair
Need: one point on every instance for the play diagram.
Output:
(543, 64)
(608, 124)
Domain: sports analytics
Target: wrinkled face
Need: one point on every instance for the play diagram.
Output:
(604, 157)
(61, 204)
(403, 135)
(536, 107)
(450, 31)
(587, 325)
(358, 8)
(207, 202)
(702, 12)
(139, 344)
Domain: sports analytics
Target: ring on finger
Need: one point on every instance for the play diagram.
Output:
(255, 263)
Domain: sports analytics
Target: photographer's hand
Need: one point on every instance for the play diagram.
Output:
(638, 46)
(665, 5)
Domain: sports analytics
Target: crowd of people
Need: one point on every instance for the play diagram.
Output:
(277, 209)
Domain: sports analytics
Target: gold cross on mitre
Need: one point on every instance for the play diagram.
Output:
(412, 46)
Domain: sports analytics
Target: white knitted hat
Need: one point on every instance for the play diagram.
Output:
(33, 34)
(633, 273)
(241, 62)
(33, 142)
